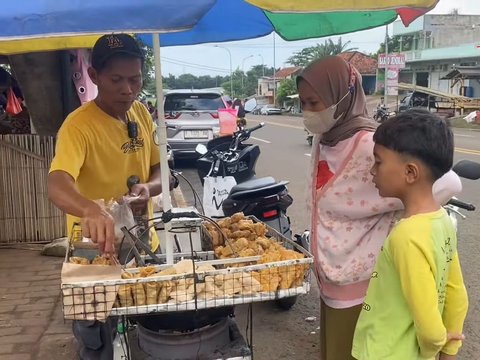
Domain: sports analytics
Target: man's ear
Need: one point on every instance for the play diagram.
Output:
(93, 75)
(412, 172)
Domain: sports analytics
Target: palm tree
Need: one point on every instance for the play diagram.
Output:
(328, 48)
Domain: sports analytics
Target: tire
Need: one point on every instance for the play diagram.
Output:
(286, 303)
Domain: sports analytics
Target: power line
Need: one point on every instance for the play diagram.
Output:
(196, 66)
(186, 63)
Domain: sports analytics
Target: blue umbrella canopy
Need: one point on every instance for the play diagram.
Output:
(43, 18)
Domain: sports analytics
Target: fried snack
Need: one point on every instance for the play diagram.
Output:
(252, 236)
(250, 285)
(79, 260)
(151, 292)
(139, 296)
(147, 271)
(237, 217)
(125, 297)
(165, 290)
(269, 279)
(218, 251)
(225, 223)
(233, 228)
(287, 276)
(167, 271)
(241, 234)
(215, 238)
(127, 275)
(184, 267)
(231, 287)
(263, 242)
(260, 229)
(247, 252)
(240, 244)
(210, 292)
(181, 292)
(101, 260)
(246, 225)
(205, 268)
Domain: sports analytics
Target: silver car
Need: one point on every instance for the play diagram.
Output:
(191, 117)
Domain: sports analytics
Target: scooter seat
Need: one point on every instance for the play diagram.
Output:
(255, 185)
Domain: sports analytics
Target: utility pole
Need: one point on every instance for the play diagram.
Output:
(385, 94)
(274, 72)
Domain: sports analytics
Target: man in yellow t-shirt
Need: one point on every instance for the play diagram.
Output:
(99, 146)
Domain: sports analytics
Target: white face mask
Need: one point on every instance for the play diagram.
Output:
(320, 122)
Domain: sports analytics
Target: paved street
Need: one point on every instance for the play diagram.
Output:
(285, 156)
(31, 321)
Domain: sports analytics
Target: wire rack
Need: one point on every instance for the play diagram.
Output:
(279, 269)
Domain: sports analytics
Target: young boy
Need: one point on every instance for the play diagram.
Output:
(416, 301)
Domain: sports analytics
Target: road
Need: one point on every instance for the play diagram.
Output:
(285, 155)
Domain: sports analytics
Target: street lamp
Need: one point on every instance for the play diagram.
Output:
(243, 62)
(230, 55)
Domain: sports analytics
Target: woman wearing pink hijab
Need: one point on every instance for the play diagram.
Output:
(349, 220)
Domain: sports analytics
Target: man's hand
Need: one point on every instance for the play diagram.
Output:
(98, 225)
(140, 194)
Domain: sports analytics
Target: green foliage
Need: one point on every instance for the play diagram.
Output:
(287, 87)
(328, 48)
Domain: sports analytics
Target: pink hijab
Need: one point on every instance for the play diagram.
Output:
(331, 78)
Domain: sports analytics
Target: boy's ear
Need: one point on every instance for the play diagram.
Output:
(93, 75)
(412, 172)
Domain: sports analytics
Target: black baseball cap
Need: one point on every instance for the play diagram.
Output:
(110, 45)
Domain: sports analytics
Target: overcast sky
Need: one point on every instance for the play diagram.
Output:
(208, 60)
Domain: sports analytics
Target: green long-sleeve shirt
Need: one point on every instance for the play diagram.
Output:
(416, 294)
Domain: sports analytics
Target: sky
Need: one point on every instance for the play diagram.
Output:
(207, 59)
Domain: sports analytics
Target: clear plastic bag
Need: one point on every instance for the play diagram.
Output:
(122, 215)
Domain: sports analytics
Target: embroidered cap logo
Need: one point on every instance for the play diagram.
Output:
(114, 42)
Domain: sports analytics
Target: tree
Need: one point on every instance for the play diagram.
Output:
(328, 48)
(287, 87)
(148, 67)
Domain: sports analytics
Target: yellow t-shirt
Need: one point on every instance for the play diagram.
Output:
(94, 148)
(416, 294)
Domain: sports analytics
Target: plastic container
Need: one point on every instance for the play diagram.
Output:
(119, 346)
(227, 119)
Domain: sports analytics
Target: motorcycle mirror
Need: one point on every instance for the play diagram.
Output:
(250, 105)
(201, 149)
(467, 169)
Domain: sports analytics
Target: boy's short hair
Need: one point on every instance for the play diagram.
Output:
(422, 135)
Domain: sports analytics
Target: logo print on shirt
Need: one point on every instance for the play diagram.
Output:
(133, 145)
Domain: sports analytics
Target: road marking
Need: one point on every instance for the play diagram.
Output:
(463, 135)
(265, 141)
(467, 151)
(308, 155)
(277, 124)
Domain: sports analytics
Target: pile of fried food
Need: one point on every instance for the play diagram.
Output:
(183, 289)
(235, 237)
(241, 237)
(98, 260)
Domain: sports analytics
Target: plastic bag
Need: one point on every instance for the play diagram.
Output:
(122, 215)
(13, 106)
(215, 191)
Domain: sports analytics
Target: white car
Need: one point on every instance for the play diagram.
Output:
(191, 117)
(270, 110)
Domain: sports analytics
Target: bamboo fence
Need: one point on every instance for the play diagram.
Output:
(26, 214)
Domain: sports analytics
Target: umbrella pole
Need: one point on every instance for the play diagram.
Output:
(162, 147)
